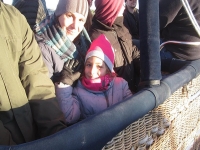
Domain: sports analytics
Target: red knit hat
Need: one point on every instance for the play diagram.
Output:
(107, 10)
(102, 49)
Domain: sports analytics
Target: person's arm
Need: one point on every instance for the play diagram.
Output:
(39, 88)
(47, 57)
(51, 60)
(127, 92)
(168, 9)
(68, 103)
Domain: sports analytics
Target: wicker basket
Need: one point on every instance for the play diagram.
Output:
(174, 125)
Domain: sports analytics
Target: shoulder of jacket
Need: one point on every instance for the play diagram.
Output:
(10, 11)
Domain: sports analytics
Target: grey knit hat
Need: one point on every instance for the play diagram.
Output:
(73, 6)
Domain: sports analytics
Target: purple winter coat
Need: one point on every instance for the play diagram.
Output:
(80, 103)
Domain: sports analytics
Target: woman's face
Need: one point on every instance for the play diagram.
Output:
(72, 24)
(95, 68)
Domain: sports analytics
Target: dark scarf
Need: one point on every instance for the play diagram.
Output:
(56, 38)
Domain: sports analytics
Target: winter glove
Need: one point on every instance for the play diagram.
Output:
(71, 71)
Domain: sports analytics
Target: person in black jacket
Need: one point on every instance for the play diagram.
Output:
(175, 25)
(131, 18)
(33, 10)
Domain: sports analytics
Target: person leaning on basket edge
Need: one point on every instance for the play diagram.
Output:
(175, 25)
(94, 91)
(56, 36)
(28, 107)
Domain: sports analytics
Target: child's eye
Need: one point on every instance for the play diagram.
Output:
(81, 20)
(88, 65)
(100, 67)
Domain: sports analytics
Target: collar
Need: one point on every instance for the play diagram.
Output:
(119, 21)
(101, 25)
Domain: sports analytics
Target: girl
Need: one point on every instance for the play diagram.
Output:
(97, 89)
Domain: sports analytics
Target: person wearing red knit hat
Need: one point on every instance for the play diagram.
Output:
(94, 91)
(108, 20)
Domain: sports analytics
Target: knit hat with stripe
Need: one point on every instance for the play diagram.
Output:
(102, 49)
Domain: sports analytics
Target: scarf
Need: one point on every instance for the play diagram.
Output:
(98, 84)
(56, 38)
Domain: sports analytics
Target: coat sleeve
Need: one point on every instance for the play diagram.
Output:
(51, 59)
(168, 11)
(68, 102)
(39, 88)
(127, 92)
(47, 57)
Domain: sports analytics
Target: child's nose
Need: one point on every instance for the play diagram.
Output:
(93, 70)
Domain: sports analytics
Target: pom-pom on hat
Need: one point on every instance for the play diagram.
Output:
(73, 6)
(102, 49)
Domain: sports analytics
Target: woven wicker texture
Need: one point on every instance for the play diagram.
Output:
(174, 125)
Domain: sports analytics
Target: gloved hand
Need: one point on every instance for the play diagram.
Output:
(71, 71)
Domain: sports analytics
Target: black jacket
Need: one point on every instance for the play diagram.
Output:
(34, 10)
(176, 25)
(131, 22)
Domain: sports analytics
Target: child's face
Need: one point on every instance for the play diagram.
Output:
(95, 68)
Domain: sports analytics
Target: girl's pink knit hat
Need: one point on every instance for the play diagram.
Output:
(102, 49)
